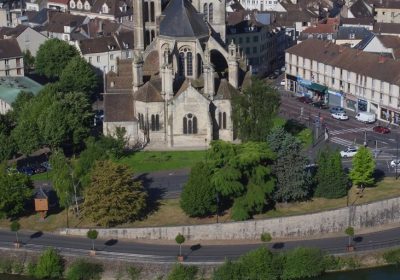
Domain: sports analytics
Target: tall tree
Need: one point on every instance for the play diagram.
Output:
(113, 197)
(331, 179)
(15, 191)
(79, 76)
(26, 136)
(53, 56)
(199, 196)
(293, 181)
(23, 98)
(29, 60)
(254, 110)
(363, 168)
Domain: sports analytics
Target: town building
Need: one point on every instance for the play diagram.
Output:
(347, 77)
(11, 58)
(387, 11)
(177, 89)
(381, 44)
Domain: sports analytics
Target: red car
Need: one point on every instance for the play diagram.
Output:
(381, 129)
(305, 99)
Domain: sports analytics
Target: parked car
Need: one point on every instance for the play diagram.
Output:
(340, 116)
(366, 117)
(395, 163)
(283, 82)
(337, 109)
(320, 105)
(381, 129)
(349, 152)
(305, 99)
(26, 170)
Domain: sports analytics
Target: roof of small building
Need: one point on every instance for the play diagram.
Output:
(9, 48)
(225, 90)
(10, 87)
(361, 9)
(149, 92)
(352, 32)
(12, 31)
(357, 21)
(357, 61)
(118, 107)
(388, 28)
(180, 19)
(57, 21)
(99, 45)
(63, 2)
(387, 4)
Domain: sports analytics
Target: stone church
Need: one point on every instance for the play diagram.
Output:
(177, 89)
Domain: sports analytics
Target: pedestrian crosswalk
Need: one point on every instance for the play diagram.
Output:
(342, 142)
(350, 130)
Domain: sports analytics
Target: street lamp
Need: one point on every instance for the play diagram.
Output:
(397, 155)
(217, 197)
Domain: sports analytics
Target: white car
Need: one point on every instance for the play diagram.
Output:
(340, 116)
(349, 152)
(395, 163)
(283, 82)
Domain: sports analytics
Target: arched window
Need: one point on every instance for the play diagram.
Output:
(189, 64)
(189, 124)
(181, 64)
(153, 123)
(157, 122)
(224, 120)
(210, 13)
(220, 120)
(205, 11)
(152, 13)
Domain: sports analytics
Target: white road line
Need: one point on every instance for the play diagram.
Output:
(349, 130)
(342, 142)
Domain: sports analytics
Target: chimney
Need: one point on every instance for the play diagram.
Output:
(340, 49)
(381, 59)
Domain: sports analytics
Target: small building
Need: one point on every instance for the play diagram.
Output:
(11, 58)
(387, 11)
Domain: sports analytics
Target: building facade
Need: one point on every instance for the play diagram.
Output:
(11, 58)
(342, 76)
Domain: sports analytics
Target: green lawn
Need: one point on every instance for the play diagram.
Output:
(157, 161)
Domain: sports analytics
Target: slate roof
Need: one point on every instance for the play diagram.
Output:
(353, 60)
(387, 4)
(182, 20)
(225, 90)
(58, 20)
(149, 92)
(357, 21)
(12, 32)
(361, 9)
(388, 28)
(118, 108)
(345, 32)
(99, 45)
(9, 48)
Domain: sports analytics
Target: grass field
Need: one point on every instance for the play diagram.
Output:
(157, 161)
(169, 213)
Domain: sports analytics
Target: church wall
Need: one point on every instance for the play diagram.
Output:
(131, 128)
(149, 109)
(224, 106)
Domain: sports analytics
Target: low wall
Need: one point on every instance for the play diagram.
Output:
(360, 216)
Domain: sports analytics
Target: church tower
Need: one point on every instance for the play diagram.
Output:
(233, 65)
(214, 14)
(138, 25)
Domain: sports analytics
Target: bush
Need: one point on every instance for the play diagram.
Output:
(30, 269)
(392, 256)
(182, 272)
(50, 265)
(83, 270)
(6, 266)
(266, 237)
(18, 267)
(260, 264)
(228, 271)
(134, 272)
(303, 263)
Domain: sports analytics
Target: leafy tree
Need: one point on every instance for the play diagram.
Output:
(112, 187)
(229, 271)
(303, 263)
(7, 146)
(50, 265)
(83, 270)
(331, 178)
(199, 196)
(350, 233)
(182, 272)
(363, 168)
(79, 76)
(260, 264)
(254, 111)
(15, 226)
(266, 237)
(29, 60)
(23, 99)
(61, 178)
(180, 239)
(293, 181)
(26, 136)
(53, 56)
(15, 192)
(92, 235)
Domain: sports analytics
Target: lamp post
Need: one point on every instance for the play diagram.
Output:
(397, 155)
(217, 197)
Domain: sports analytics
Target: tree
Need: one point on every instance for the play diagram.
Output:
(15, 192)
(254, 110)
(15, 226)
(331, 178)
(50, 265)
(7, 146)
(180, 239)
(363, 167)
(293, 181)
(92, 235)
(134, 272)
(266, 237)
(83, 270)
(350, 233)
(24, 98)
(199, 196)
(79, 76)
(260, 264)
(26, 136)
(182, 272)
(29, 60)
(53, 56)
(112, 187)
(303, 263)
(229, 271)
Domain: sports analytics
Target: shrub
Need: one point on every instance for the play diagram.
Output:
(134, 272)
(83, 270)
(392, 256)
(30, 269)
(260, 264)
(18, 267)
(6, 266)
(266, 237)
(228, 271)
(182, 272)
(303, 263)
(50, 265)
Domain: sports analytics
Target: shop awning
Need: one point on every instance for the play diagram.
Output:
(317, 87)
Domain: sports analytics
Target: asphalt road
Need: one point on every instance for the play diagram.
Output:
(195, 253)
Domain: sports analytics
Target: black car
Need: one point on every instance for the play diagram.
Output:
(320, 105)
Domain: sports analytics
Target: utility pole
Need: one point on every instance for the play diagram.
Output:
(397, 155)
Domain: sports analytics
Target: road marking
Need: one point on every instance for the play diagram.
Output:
(342, 142)
(349, 130)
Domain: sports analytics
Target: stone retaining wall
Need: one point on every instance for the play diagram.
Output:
(361, 216)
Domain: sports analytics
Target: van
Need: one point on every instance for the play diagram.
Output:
(366, 117)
